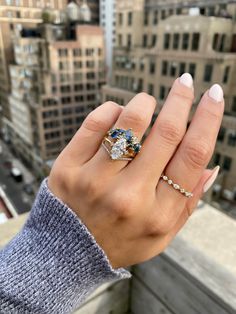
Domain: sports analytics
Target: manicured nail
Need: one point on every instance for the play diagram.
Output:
(186, 79)
(211, 180)
(216, 92)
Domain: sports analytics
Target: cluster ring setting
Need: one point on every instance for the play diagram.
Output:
(176, 186)
(121, 144)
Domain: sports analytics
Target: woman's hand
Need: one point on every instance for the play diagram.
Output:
(132, 214)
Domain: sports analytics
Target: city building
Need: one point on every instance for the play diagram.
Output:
(56, 81)
(156, 41)
(107, 22)
(94, 6)
(14, 13)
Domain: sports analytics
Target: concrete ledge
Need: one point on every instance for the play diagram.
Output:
(10, 228)
(213, 233)
(197, 272)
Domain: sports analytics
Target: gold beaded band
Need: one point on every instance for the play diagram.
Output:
(176, 186)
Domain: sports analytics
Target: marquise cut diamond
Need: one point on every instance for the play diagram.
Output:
(119, 148)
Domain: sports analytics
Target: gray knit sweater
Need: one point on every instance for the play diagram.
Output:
(53, 263)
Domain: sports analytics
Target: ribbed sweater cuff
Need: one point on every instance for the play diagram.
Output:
(53, 263)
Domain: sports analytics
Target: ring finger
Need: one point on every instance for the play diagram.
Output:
(136, 115)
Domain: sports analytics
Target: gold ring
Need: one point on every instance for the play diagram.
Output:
(121, 144)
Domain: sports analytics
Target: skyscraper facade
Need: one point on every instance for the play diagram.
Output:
(107, 22)
(56, 81)
(14, 13)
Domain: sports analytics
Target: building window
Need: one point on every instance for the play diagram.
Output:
(65, 89)
(171, 12)
(152, 67)
(178, 11)
(164, 69)
(77, 52)
(185, 41)
(217, 159)
(226, 74)
(163, 14)
(192, 69)
(63, 52)
(130, 18)
(173, 69)
(78, 76)
(89, 52)
(78, 87)
(129, 41)
(120, 18)
(208, 73)
(79, 98)
(66, 100)
(140, 85)
(150, 89)
(120, 40)
(182, 68)
(195, 41)
(176, 41)
(227, 163)
(78, 64)
(221, 134)
(154, 40)
(90, 75)
(211, 11)
(222, 43)
(232, 139)
(234, 104)
(166, 41)
(162, 92)
(89, 64)
(145, 40)
(215, 41)
(155, 18)
(145, 20)
(142, 65)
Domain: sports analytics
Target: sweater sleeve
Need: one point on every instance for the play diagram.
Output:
(53, 263)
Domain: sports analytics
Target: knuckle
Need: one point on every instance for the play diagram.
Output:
(89, 187)
(123, 204)
(110, 103)
(134, 118)
(144, 97)
(210, 114)
(156, 227)
(170, 132)
(197, 153)
(179, 96)
(93, 123)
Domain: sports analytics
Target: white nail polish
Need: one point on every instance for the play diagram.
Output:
(211, 180)
(186, 79)
(216, 93)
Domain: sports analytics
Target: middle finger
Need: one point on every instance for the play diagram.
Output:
(167, 131)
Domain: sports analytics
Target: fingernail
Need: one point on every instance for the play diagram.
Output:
(211, 180)
(186, 79)
(216, 93)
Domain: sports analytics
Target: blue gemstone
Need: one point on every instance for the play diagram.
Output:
(115, 134)
(137, 148)
(128, 135)
(121, 131)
